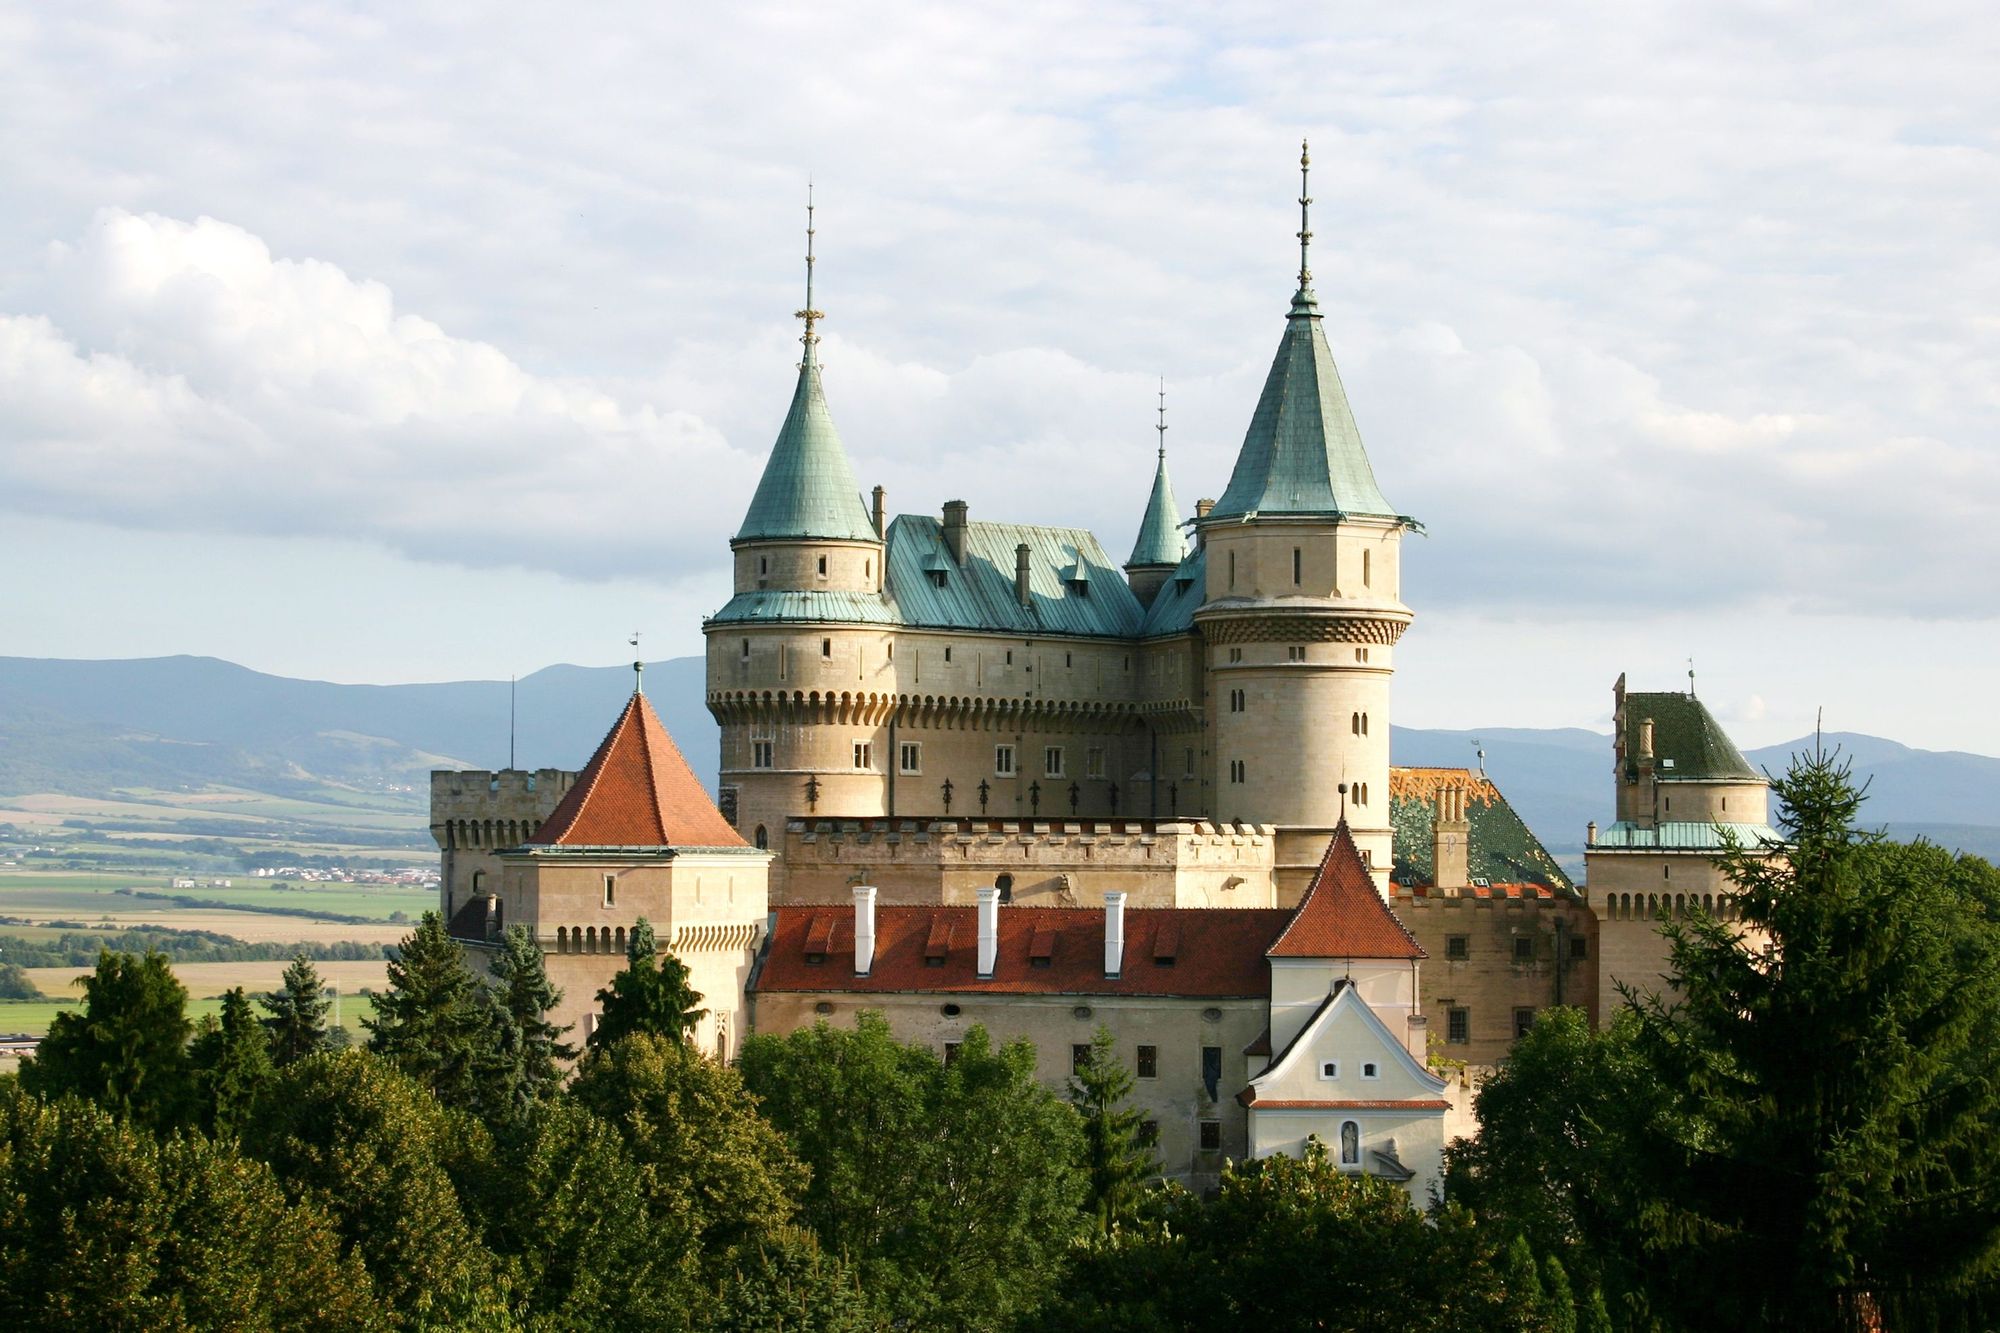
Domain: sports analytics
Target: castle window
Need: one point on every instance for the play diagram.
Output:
(1666, 872)
(1523, 1020)
(1003, 761)
(910, 757)
(746, 650)
(864, 754)
(867, 569)
(1066, 660)
(1079, 1057)
(1369, 1069)
(1458, 947)
(1010, 657)
(1350, 1143)
(1149, 1132)
(1236, 770)
(1187, 765)
(1524, 948)
(951, 1053)
(763, 754)
(611, 890)
(1329, 1069)
(1364, 724)
(1367, 568)
(822, 566)
(947, 652)
(763, 839)
(1458, 1026)
(1236, 701)
(1236, 654)
(1004, 883)
(1232, 569)
(1298, 567)
(1354, 724)
(936, 577)
(1149, 1062)
(892, 650)
(1210, 1137)
(1094, 762)
(1211, 1076)
(1052, 761)
(826, 647)
(1296, 653)
(784, 658)
(1579, 947)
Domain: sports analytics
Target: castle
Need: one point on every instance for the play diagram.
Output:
(970, 773)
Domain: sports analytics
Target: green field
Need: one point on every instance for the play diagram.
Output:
(90, 897)
(34, 1016)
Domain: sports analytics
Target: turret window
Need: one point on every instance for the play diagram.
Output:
(1236, 701)
(1298, 566)
(1367, 568)
(864, 754)
(1236, 770)
(1052, 761)
(826, 647)
(761, 753)
(611, 890)
(1094, 762)
(1003, 761)
(911, 757)
(1358, 724)
(822, 566)
(746, 650)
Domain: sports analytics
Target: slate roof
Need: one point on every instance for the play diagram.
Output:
(1341, 914)
(1689, 745)
(636, 791)
(1302, 453)
(1501, 849)
(1160, 541)
(1173, 606)
(1213, 952)
(807, 489)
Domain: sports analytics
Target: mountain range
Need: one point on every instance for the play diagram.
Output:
(174, 724)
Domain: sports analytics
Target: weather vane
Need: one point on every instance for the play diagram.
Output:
(638, 667)
(1305, 225)
(809, 314)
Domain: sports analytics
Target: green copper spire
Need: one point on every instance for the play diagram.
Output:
(1160, 541)
(1302, 453)
(808, 489)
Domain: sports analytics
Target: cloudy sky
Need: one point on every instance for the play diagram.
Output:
(410, 342)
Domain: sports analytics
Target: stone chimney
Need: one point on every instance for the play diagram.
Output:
(1590, 834)
(1114, 934)
(864, 930)
(1021, 574)
(989, 930)
(1645, 740)
(881, 518)
(1201, 510)
(954, 530)
(1451, 834)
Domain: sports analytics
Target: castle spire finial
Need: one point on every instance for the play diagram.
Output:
(638, 667)
(809, 314)
(1162, 427)
(1305, 218)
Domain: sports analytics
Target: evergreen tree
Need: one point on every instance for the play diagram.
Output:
(1595, 1316)
(298, 1013)
(527, 995)
(1559, 1301)
(232, 1064)
(651, 995)
(440, 1025)
(127, 1048)
(1114, 1152)
(1523, 1285)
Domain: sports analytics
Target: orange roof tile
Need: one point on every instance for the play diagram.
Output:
(1341, 914)
(1221, 954)
(637, 791)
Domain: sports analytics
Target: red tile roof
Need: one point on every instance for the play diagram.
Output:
(637, 791)
(1220, 951)
(1341, 914)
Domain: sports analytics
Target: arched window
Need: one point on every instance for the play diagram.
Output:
(590, 936)
(621, 939)
(763, 839)
(1005, 883)
(1354, 724)
(478, 882)
(1350, 1143)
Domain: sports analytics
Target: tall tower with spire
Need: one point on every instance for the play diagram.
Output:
(1160, 547)
(1302, 611)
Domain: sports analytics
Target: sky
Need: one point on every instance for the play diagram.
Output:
(418, 342)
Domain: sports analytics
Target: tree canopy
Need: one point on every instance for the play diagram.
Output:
(650, 995)
(126, 1049)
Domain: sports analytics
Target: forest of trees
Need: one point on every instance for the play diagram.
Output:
(1805, 1138)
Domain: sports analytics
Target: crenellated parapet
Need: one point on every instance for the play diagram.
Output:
(489, 809)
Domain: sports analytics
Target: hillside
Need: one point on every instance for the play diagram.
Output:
(145, 730)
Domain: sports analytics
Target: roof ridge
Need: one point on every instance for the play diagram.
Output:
(1334, 924)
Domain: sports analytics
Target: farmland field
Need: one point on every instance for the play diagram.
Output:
(209, 980)
(245, 909)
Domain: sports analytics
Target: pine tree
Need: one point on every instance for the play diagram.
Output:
(298, 1014)
(126, 1049)
(527, 995)
(232, 1065)
(1595, 1317)
(1559, 1305)
(1523, 1285)
(442, 1027)
(651, 995)
(1115, 1152)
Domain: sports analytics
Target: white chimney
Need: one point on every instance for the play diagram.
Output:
(989, 930)
(1114, 934)
(864, 930)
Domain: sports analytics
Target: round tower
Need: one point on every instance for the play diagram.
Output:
(1303, 611)
(797, 649)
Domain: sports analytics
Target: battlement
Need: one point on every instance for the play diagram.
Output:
(488, 808)
(1159, 862)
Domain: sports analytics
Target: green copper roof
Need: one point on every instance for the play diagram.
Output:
(1160, 541)
(1685, 836)
(807, 489)
(1072, 586)
(1689, 745)
(1302, 453)
(1173, 606)
(1500, 847)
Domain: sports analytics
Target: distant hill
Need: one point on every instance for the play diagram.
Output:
(98, 728)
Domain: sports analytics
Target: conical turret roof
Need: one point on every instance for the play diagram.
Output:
(807, 489)
(1341, 914)
(1302, 453)
(1160, 541)
(636, 791)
